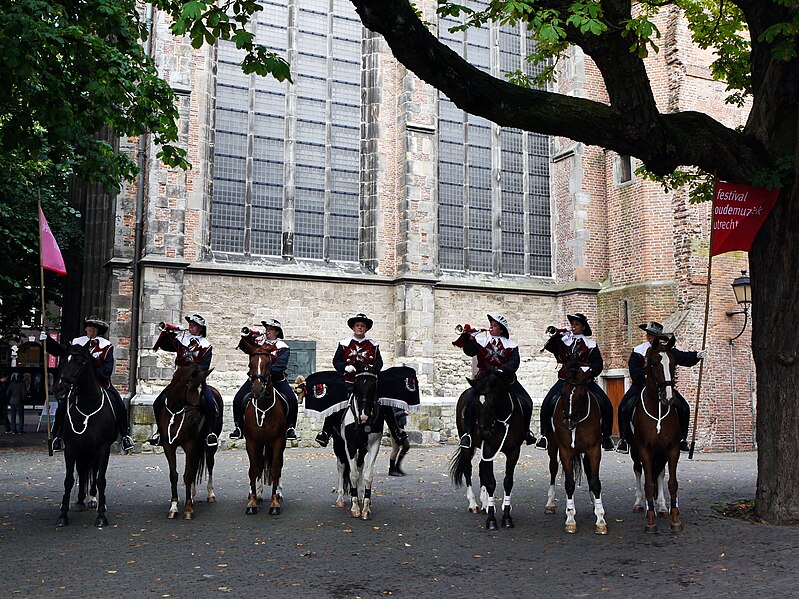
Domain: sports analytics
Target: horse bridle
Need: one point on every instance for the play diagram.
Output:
(492, 427)
(74, 404)
(356, 409)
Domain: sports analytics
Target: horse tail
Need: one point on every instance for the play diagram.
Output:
(458, 466)
(199, 462)
(577, 468)
(346, 478)
(86, 474)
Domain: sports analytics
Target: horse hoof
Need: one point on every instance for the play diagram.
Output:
(550, 509)
(571, 528)
(638, 509)
(188, 515)
(474, 510)
(601, 529)
(251, 510)
(676, 527)
(338, 504)
(274, 511)
(491, 525)
(507, 523)
(101, 521)
(62, 522)
(212, 499)
(650, 528)
(172, 515)
(79, 507)
(366, 516)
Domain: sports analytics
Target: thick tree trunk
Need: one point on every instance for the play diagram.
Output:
(774, 261)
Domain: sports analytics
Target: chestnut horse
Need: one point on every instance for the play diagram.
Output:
(501, 427)
(655, 439)
(89, 430)
(264, 428)
(183, 425)
(577, 440)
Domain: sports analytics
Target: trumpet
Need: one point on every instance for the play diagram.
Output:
(162, 326)
(460, 329)
(552, 330)
(249, 331)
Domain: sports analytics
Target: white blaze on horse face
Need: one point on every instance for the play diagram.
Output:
(665, 364)
(482, 399)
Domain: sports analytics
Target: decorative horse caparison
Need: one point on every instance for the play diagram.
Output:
(356, 443)
(264, 428)
(500, 427)
(182, 424)
(88, 432)
(576, 441)
(655, 440)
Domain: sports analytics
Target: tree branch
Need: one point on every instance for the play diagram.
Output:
(663, 142)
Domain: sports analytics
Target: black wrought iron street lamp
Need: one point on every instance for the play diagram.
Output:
(742, 288)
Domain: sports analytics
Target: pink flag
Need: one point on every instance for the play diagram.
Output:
(738, 213)
(51, 254)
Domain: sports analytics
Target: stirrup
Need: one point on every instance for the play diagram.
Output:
(323, 438)
(622, 447)
(127, 443)
(212, 440)
(58, 444)
(291, 434)
(466, 441)
(542, 443)
(684, 447)
(236, 434)
(155, 439)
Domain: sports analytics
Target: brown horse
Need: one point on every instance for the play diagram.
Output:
(264, 428)
(182, 424)
(500, 427)
(576, 436)
(656, 435)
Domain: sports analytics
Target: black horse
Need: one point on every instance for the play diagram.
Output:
(501, 427)
(89, 430)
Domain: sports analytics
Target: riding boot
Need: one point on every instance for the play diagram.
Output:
(58, 424)
(469, 419)
(158, 405)
(399, 435)
(529, 438)
(211, 440)
(323, 438)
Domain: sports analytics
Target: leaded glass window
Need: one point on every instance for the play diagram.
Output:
(471, 149)
(279, 145)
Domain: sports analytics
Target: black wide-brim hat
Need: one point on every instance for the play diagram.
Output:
(360, 318)
(581, 318)
(275, 324)
(656, 329)
(102, 326)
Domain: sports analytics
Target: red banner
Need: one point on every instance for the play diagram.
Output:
(738, 213)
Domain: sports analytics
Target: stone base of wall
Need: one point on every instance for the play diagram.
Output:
(433, 424)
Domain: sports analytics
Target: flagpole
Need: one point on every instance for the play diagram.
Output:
(707, 313)
(44, 341)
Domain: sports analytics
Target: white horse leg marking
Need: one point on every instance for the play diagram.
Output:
(472, 500)
(259, 488)
(549, 508)
(91, 502)
(173, 508)
(662, 507)
(639, 493)
(368, 474)
(210, 488)
(484, 500)
(601, 527)
(279, 490)
(571, 523)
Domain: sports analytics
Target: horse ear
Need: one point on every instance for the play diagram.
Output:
(471, 381)
(206, 373)
(672, 341)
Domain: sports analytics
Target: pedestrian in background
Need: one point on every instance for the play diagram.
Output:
(4, 383)
(17, 391)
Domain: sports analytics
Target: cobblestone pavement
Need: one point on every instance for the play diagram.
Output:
(421, 542)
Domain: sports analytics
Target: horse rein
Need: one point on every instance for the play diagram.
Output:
(353, 406)
(71, 393)
(504, 436)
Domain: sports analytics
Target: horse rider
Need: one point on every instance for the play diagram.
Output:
(398, 450)
(279, 352)
(102, 353)
(494, 352)
(566, 345)
(636, 365)
(362, 350)
(191, 348)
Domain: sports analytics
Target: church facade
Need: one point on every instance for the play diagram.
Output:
(358, 188)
